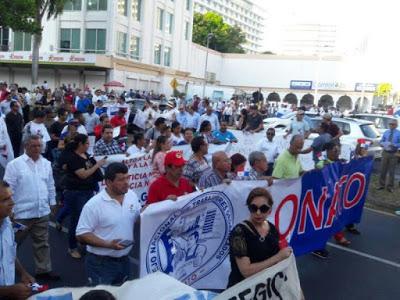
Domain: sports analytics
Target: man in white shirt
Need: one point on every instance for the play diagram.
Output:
(211, 117)
(106, 225)
(91, 119)
(31, 180)
(192, 118)
(37, 127)
(81, 128)
(270, 148)
(9, 263)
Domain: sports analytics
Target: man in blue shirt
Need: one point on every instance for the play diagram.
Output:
(181, 116)
(391, 144)
(223, 135)
(83, 103)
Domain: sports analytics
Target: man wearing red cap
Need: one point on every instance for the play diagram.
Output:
(172, 184)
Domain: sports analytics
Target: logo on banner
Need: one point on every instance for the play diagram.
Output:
(193, 241)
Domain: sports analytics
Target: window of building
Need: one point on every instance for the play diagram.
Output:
(4, 38)
(134, 50)
(96, 4)
(157, 54)
(167, 56)
(121, 43)
(95, 41)
(136, 9)
(169, 23)
(188, 4)
(160, 19)
(22, 41)
(187, 30)
(123, 7)
(73, 5)
(70, 40)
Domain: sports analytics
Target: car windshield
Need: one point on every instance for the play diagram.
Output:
(370, 131)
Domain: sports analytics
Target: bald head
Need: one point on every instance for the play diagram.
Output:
(296, 144)
(221, 162)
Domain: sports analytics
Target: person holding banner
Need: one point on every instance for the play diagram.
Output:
(163, 145)
(287, 165)
(106, 226)
(138, 145)
(197, 163)
(107, 145)
(172, 184)
(219, 173)
(254, 243)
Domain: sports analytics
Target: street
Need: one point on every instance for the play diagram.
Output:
(368, 269)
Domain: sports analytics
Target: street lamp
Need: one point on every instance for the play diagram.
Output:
(209, 37)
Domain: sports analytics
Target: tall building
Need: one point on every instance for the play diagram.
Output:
(243, 13)
(135, 41)
(309, 39)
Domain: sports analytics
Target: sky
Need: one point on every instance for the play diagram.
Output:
(368, 27)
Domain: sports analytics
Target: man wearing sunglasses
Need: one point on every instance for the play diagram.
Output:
(299, 126)
(270, 148)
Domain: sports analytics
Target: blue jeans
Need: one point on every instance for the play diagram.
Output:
(107, 270)
(75, 200)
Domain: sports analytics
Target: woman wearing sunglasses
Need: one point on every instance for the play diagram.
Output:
(254, 243)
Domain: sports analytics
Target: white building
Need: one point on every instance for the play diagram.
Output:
(309, 39)
(244, 13)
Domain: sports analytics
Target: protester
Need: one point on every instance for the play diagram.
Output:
(172, 184)
(187, 137)
(119, 121)
(30, 177)
(270, 148)
(9, 262)
(210, 117)
(83, 174)
(107, 145)
(106, 226)
(163, 145)
(332, 153)
(153, 133)
(181, 116)
(390, 142)
(219, 173)
(238, 163)
(287, 165)
(37, 127)
(15, 123)
(242, 122)
(206, 132)
(223, 135)
(176, 136)
(81, 123)
(259, 166)
(98, 129)
(318, 144)
(254, 120)
(100, 109)
(138, 145)
(299, 126)
(91, 119)
(197, 163)
(333, 129)
(192, 118)
(254, 243)
(55, 131)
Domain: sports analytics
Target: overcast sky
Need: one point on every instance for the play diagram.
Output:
(358, 21)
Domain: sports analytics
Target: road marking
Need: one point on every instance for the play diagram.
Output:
(381, 212)
(378, 259)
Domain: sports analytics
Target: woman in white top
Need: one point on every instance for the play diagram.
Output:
(138, 145)
(176, 136)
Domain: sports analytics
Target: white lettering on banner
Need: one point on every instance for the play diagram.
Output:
(51, 58)
(280, 281)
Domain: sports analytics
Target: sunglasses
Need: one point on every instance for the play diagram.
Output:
(263, 208)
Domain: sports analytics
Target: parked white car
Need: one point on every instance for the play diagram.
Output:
(355, 131)
(381, 122)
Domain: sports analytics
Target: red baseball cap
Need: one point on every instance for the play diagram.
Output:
(174, 158)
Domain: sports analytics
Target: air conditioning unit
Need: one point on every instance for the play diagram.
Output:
(211, 77)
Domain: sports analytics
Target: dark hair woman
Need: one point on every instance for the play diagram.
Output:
(81, 181)
(254, 243)
(205, 131)
(163, 145)
(197, 163)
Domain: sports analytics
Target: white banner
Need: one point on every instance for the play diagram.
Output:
(188, 238)
(280, 281)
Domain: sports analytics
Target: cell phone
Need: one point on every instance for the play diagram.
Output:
(126, 243)
(18, 227)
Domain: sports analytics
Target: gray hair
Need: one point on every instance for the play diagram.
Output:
(31, 137)
(256, 155)
(295, 138)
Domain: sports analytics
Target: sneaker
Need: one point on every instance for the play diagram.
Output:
(321, 253)
(74, 253)
(58, 226)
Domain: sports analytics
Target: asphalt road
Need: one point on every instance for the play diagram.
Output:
(368, 269)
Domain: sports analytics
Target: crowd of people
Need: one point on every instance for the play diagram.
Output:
(52, 173)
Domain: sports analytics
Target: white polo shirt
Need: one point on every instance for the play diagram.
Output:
(109, 220)
(270, 149)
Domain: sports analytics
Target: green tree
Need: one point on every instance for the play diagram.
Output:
(226, 39)
(27, 16)
(383, 90)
